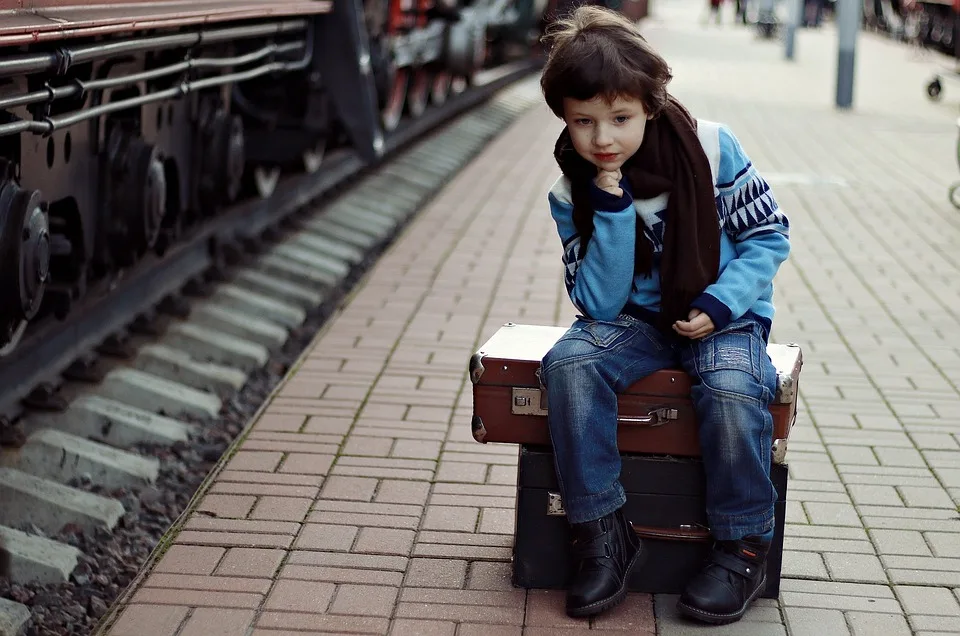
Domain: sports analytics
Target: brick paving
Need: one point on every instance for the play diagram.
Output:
(359, 503)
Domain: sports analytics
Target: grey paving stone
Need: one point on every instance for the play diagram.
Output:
(890, 479)
(933, 624)
(868, 494)
(899, 523)
(861, 568)
(900, 542)
(944, 544)
(832, 514)
(935, 601)
(805, 621)
(811, 448)
(795, 513)
(817, 471)
(880, 423)
(814, 486)
(900, 457)
(871, 624)
(816, 544)
(942, 458)
(827, 532)
(934, 441)
(806, 565)
(947, 519)
(949, 476)
(834, 601)
(873, 438)
(924, 577)
(899, 471)
(838, 589)
(813, 495)
(927, 497)
(938, 564)
(843, 454)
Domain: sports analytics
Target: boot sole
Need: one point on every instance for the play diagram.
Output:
(722, 619)
(612, 601)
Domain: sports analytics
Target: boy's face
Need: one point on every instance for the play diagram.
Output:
(605, 133)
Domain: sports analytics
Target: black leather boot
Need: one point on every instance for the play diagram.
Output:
(605, 551)
(734, 576)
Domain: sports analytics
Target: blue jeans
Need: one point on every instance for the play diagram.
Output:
(733, 383)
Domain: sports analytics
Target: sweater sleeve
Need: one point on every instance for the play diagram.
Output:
(760, 232)
(600, 281)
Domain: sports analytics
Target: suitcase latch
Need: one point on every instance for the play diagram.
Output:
(527, 401)
(555, 505)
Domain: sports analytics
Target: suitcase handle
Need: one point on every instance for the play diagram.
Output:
(684, 532)
(530, 401)
(656, 417)
(696, 534)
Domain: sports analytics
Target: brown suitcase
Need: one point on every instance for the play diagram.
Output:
(655, 414)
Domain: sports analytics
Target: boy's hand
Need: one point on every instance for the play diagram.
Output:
(609, 182)
(697, 325)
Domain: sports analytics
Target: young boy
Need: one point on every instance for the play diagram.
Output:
(671, 242)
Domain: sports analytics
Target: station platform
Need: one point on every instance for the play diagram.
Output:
(358, 502)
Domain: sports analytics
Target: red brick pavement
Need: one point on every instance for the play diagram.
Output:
(359, 503)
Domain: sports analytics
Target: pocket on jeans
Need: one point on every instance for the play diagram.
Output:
(599, 333)
(738, 347)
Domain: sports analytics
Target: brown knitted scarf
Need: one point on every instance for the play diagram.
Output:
(670, 159)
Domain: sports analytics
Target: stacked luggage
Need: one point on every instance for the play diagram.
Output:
(661, 473)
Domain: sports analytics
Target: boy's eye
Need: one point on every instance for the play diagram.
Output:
(583, 121)
(622, 119)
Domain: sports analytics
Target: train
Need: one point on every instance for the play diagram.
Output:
(125, 125)
(929, 23)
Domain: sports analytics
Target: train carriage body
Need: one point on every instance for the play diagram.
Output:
(33, 21)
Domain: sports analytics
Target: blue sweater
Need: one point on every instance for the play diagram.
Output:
(754, 241)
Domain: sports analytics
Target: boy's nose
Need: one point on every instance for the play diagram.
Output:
(601, 138)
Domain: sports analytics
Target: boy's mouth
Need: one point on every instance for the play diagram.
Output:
(605, 156)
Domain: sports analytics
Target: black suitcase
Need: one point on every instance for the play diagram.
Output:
(665, 503)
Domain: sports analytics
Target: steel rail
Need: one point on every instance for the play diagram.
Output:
(51, 346)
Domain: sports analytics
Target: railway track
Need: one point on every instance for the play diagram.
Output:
(111, 421)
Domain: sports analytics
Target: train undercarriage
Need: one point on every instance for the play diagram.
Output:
(117, 141)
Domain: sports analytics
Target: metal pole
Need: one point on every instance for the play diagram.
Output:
(848, 25)
(792, 24)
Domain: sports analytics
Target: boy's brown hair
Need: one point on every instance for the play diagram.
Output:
(598, 52)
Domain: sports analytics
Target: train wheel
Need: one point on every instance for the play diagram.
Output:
(440, 90)
(138, 194)
(24, 261)
(419, 93)
(313, 158)
(393, 109)
(223, 150)
(265, 179)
